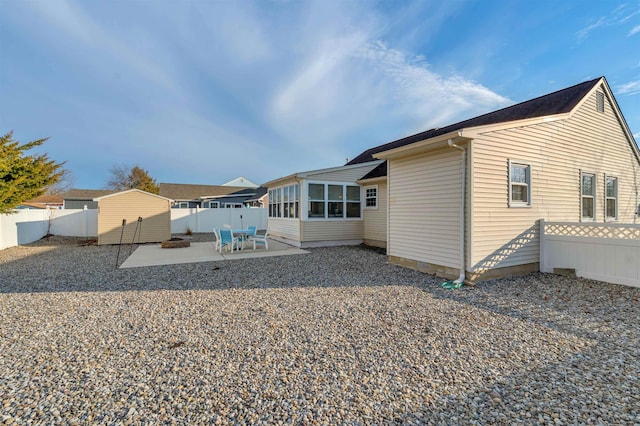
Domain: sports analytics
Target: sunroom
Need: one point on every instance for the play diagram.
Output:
(319, 207)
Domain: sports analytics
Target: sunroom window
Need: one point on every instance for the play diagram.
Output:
(353, 201)
(316, 200)
(284, 201)
(334, 201)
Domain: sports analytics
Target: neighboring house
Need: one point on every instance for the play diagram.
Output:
(241, 181)
(43, 202)
(79, 198)
(192, 196)
(211, 196)
(565, 156)
(244, 198)
(260, 199)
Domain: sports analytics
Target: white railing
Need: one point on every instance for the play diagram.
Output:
(27, 226)
(607, 252)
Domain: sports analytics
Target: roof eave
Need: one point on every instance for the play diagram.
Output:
(306, 174)
(424, 145)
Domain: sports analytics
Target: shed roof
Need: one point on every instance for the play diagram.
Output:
(115, 194)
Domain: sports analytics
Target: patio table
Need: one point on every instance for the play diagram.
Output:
(242, 235)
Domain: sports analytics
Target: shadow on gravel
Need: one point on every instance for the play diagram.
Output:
(594, 324)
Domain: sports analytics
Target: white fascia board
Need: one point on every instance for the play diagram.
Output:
(132, 190)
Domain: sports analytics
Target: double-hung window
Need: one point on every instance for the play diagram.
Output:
(611, 198)
(588, 196)
(519, 185)
(371, 197)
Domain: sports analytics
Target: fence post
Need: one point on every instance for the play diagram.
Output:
(543, 254)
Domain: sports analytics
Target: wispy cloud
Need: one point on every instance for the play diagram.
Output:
(621, 15)
(584, 32)
(631, 88)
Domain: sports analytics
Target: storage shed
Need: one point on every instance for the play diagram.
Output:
(133, 216)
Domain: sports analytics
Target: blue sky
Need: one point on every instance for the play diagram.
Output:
(202, 92)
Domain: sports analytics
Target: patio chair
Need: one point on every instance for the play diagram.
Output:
(252, 231)
(217, 241)
(228, 240)
(261, 239)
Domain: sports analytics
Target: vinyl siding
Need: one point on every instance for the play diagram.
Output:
(285, 228)
(589, 140)
(375, 220)
(155, 213)
(332, 230)
(424, 208)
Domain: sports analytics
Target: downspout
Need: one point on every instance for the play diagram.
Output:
(460, 279)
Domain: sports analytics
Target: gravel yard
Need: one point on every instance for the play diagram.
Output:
(337, 336)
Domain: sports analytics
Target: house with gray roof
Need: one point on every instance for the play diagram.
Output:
(81, 198)
(210, 196)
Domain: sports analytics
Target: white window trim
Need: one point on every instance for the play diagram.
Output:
(363, 197)
(306, 217)
(595, 193)
(606, 198)
(281, 203)
(519, 204)
(182, 205)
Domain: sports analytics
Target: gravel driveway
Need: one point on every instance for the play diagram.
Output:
(337, 336)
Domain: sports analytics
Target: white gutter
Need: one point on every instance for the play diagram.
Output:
(462, 210)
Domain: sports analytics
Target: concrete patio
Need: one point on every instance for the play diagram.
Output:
(154, 255)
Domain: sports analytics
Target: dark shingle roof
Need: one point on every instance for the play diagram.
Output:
(559, 102)
(379, 171)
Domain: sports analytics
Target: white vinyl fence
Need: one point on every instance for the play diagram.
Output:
(27, 226)
(601, 251)
(204, 220)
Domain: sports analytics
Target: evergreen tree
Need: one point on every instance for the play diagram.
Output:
(22, 176)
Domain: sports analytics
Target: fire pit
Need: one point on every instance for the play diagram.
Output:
(175, 243)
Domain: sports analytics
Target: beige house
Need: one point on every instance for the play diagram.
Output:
(146, 217)
(465, 200)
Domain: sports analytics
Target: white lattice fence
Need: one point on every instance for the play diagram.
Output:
(600, 251)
